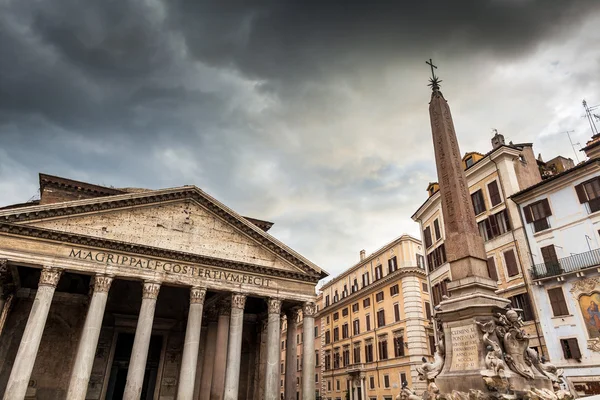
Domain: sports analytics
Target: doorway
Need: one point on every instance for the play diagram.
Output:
(120, 366)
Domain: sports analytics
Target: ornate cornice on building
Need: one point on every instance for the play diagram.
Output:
(404, 271)
(150, 290)
(197, 295)
(90, 241)
(50, 276)
(154, 197)
(373, 256)
(102, 283)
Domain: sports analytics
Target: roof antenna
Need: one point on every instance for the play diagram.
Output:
(573, 144)
(590, 116)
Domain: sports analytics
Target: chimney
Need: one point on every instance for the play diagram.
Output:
(362, 255)
(497, 140)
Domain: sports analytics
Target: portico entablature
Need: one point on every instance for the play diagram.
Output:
(26, 247)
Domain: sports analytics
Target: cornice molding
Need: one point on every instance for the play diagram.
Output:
(398, 274)
(148, 198)
(89, 241)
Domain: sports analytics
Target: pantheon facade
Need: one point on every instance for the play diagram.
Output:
(145, 294)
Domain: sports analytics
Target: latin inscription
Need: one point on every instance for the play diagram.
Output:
(120, 260)
(464, 348)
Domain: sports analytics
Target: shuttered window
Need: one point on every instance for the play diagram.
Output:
(478, 202)
(570, 348)
(396, 312)
(436, 228)
(427, 236)
(589, 192)
(495, 198)
(399, 346)
(511, 263)
(538, 213)
(557, 301)
(492, 271)
(380, 318)
(551, 260)
(427, 310)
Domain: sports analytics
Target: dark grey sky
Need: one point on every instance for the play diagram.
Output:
(311, 114)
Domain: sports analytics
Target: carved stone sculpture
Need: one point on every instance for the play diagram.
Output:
(515, 343)
(429, 370)
(407, 393)
(494, 360)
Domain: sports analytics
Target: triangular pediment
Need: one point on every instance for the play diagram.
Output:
(185, 220)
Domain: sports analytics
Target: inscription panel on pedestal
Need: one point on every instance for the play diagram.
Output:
(465, 354)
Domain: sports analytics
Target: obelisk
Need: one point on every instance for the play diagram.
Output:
(472, 291)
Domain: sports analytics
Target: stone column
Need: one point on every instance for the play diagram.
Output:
(308, 349)
(189, 361)
(234, 350)
(363, 386)
(209, 360)
(273, 354)
(291, 354)
(141, 342)
(3, 278)
(354, 394)
(86, 350)
(217, 387)
(32, 336)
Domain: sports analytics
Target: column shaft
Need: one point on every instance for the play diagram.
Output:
(20, 374)
(273, 354)
(3, 279)
(189, 361)
(234, 351)
(217, 388)
(86, 350)
(290, 355)
(363, 388)
(141, 343)
(209, 361)
(308, 363)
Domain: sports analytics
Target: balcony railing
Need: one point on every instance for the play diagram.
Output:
(565, 265)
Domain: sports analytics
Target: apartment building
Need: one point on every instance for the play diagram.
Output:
(375, 322)
(492, 178)
(562, 222)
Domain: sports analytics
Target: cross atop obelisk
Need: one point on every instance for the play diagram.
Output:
(434, 81)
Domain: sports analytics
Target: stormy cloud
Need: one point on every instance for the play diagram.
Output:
(311, 114)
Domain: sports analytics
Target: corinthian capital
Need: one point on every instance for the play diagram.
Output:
(309, 309)
(274, 306)
(238, 300)
(50, 276)
(197, 294)
(150, 290)
(102, 283)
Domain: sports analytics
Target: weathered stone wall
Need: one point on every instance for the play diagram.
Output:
(52, 368)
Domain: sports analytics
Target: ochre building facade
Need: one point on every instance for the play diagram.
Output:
(376, 324)
(145, 294)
